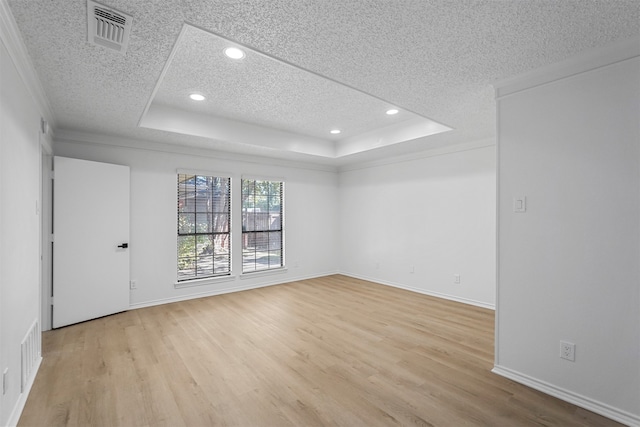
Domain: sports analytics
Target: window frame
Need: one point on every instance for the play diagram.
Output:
(227, 236)
(248, 231)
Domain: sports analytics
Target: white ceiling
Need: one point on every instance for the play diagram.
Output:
(310, 64)
(280, 106)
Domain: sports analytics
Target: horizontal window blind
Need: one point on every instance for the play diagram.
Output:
(204, 226)
(262, 225)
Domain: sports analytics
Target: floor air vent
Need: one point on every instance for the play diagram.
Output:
(108, 27)
(30, 355)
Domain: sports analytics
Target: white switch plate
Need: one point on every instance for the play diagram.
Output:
(520, 204)
(5, 379)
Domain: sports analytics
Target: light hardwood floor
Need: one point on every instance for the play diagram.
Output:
(327, 351)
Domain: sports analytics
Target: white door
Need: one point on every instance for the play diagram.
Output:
(91, 237)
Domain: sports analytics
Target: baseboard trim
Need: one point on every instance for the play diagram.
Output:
(227, 290)
(422, 291)
(289, 280)
(569, 396)
(22, 399)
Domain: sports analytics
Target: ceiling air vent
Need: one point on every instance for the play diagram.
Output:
(108, 27)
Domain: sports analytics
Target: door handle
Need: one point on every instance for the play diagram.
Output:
(124, 246)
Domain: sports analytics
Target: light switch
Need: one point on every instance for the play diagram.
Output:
(520, 204)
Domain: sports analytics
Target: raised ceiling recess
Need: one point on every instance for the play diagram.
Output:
(108, 27)
(259, 100)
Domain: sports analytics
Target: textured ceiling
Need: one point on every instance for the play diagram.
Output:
(435, 58)
(262, 90)
(272, 95)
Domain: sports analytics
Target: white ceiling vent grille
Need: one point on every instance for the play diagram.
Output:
(108, 27)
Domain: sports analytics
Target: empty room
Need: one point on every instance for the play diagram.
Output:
(314, 213)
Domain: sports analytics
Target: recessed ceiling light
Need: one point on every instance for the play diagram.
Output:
(196, 97)
(392, 111)
(336, 131)
(234, 53)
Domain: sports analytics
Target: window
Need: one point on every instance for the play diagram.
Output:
(262, 225)
(204, 232)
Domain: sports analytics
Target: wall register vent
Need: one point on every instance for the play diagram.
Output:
(108, 27)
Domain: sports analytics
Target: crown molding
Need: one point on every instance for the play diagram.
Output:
(587, 61)
(87, 138)
(431, 152)
(12, 40)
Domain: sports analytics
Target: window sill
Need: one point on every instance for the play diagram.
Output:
(261, 273)
(203, 282)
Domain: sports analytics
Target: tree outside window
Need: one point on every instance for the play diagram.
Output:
(204, 232)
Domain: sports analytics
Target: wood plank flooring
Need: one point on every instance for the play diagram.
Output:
(332, 351)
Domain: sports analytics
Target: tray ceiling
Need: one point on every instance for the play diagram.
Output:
(263, 101)
(431, 58)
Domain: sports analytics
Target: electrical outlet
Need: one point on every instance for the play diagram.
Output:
(133, 284)
(412, 269)
(456, 279)
(568, 351)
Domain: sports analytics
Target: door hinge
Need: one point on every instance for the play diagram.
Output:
(51, 299)
(52, 174)
(51, 237)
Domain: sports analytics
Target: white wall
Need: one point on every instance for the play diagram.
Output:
(19, 226)
(433, 215)
(310, 217)
(569, 266)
